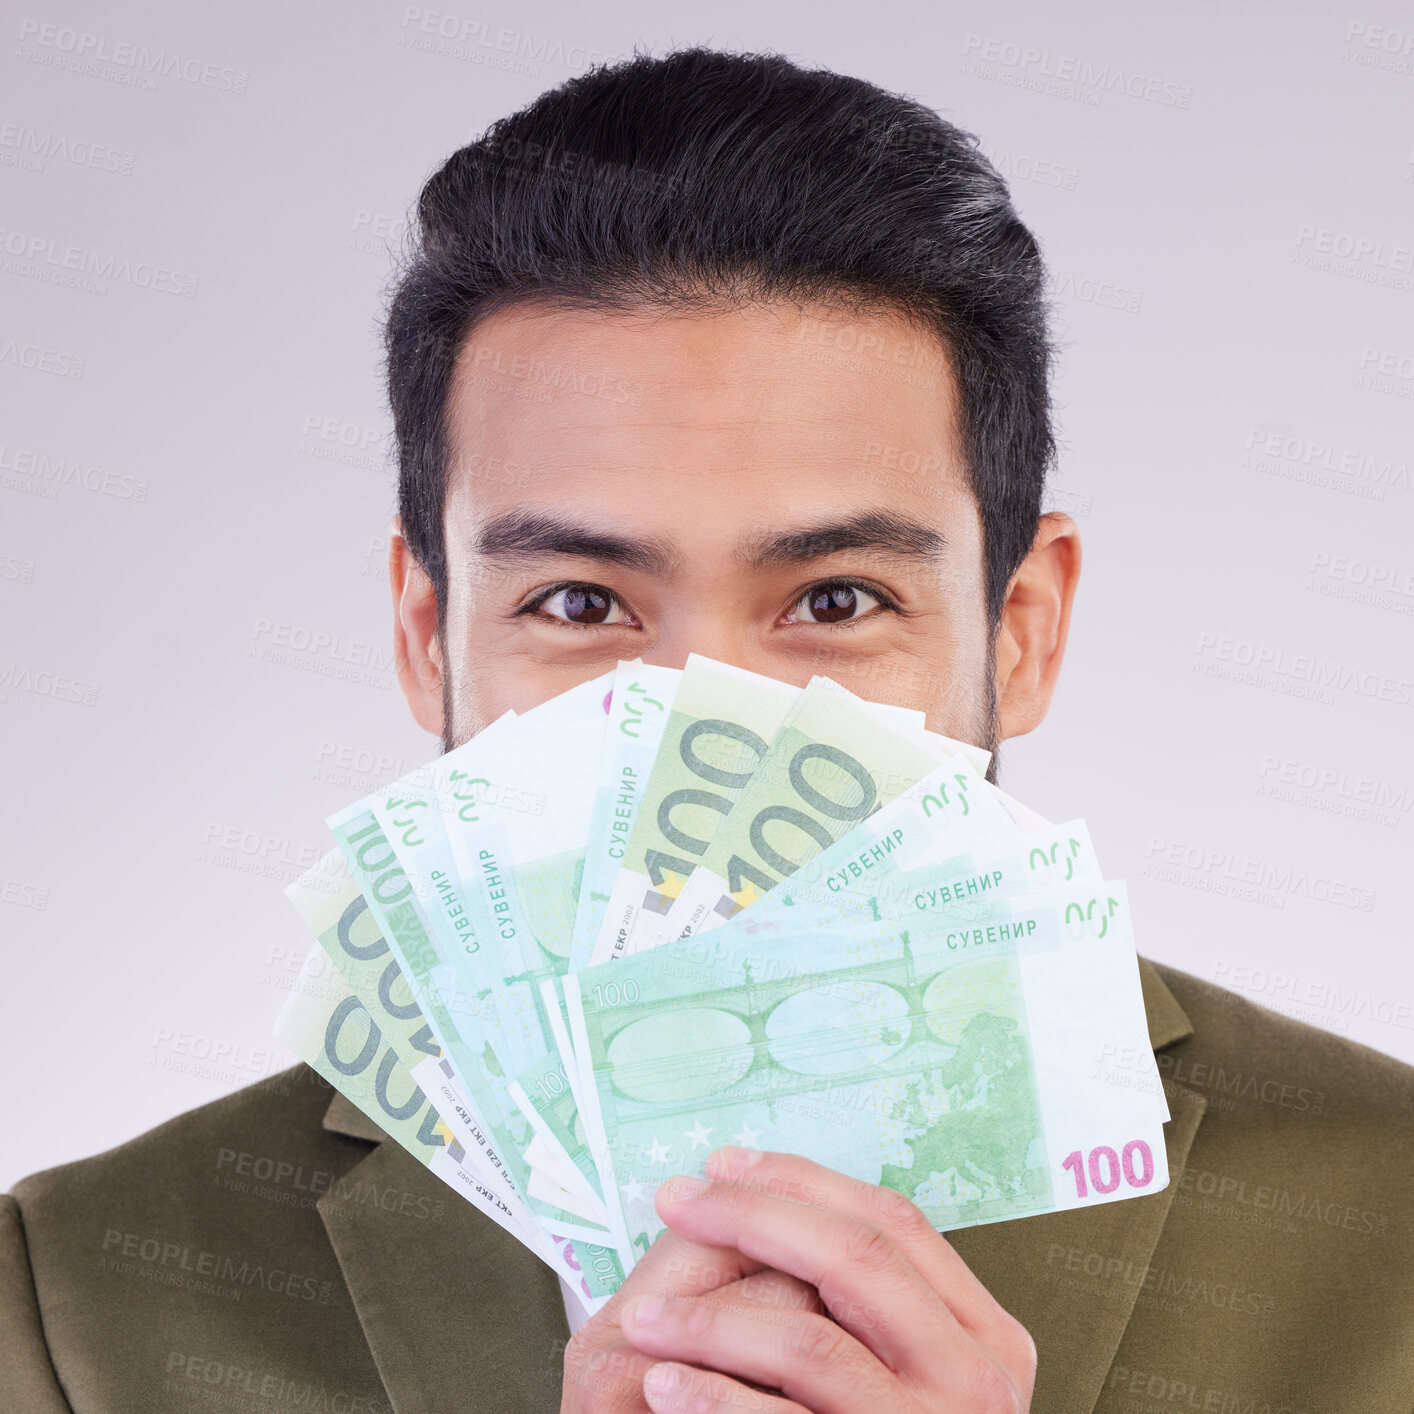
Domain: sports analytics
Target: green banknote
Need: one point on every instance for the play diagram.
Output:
(522, 860)
(638, 717)
(334, 909)
(941, 842)
(955, 1061)
(947, 845)
(348, 934)
(411, 821)
(425, 813)
(465, 1024)
(331, 1029)
(525, 857)
(834, 761)
(1053, 858)
(414, 813)
(494, 857)
(860, 884)
(722, 721)
(951, 812)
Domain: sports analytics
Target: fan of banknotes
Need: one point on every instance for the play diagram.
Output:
(672, 909)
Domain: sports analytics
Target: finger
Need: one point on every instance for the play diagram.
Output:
(865, 1281)
(677, 1265)
(768, 1291)
(937, 1261)
(600, 1368)
(910, 1230)
(807, 1356)
(606, 1373)
(681, 1389)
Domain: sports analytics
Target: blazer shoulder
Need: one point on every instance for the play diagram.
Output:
(27, 1379)
(1271, 1050)
(290, 1102)
(197, 1245)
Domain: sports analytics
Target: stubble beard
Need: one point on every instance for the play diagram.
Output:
(985, 731)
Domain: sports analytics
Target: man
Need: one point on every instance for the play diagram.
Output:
(711, 353)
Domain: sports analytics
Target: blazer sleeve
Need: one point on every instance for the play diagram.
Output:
(28, 1384)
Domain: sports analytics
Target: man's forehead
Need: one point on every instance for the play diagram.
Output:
(532, 376)
(646, 441)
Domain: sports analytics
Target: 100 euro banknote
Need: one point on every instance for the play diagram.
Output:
(955, 1060)
(327, 1025)
(833, 762)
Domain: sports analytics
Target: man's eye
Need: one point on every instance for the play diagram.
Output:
(834, 604)
(583, 604)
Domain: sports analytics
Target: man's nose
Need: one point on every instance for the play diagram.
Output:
(719, 637)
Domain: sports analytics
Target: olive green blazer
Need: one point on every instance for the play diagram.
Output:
(269, 1252)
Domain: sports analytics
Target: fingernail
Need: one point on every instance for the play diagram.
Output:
(645, 1311)
(679, 1190)
(662, 1379)
(730, 1159)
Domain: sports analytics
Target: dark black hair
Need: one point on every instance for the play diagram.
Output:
(705, 177)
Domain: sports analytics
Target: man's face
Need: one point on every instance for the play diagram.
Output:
(778, 488)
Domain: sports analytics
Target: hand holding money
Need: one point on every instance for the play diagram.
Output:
(672, 910)
(901, 1325)
(603, 1369)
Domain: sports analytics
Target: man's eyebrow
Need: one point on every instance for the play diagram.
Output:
(869, 530)
(527, 535)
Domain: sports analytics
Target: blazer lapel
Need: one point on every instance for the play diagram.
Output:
(1072, 1278)
(457, 1313)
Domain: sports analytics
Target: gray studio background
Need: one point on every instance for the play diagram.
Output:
(194, 480)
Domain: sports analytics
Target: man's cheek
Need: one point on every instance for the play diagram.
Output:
(956, 694)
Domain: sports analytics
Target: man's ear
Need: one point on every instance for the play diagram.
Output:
(1034, 622)
(417, 650)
